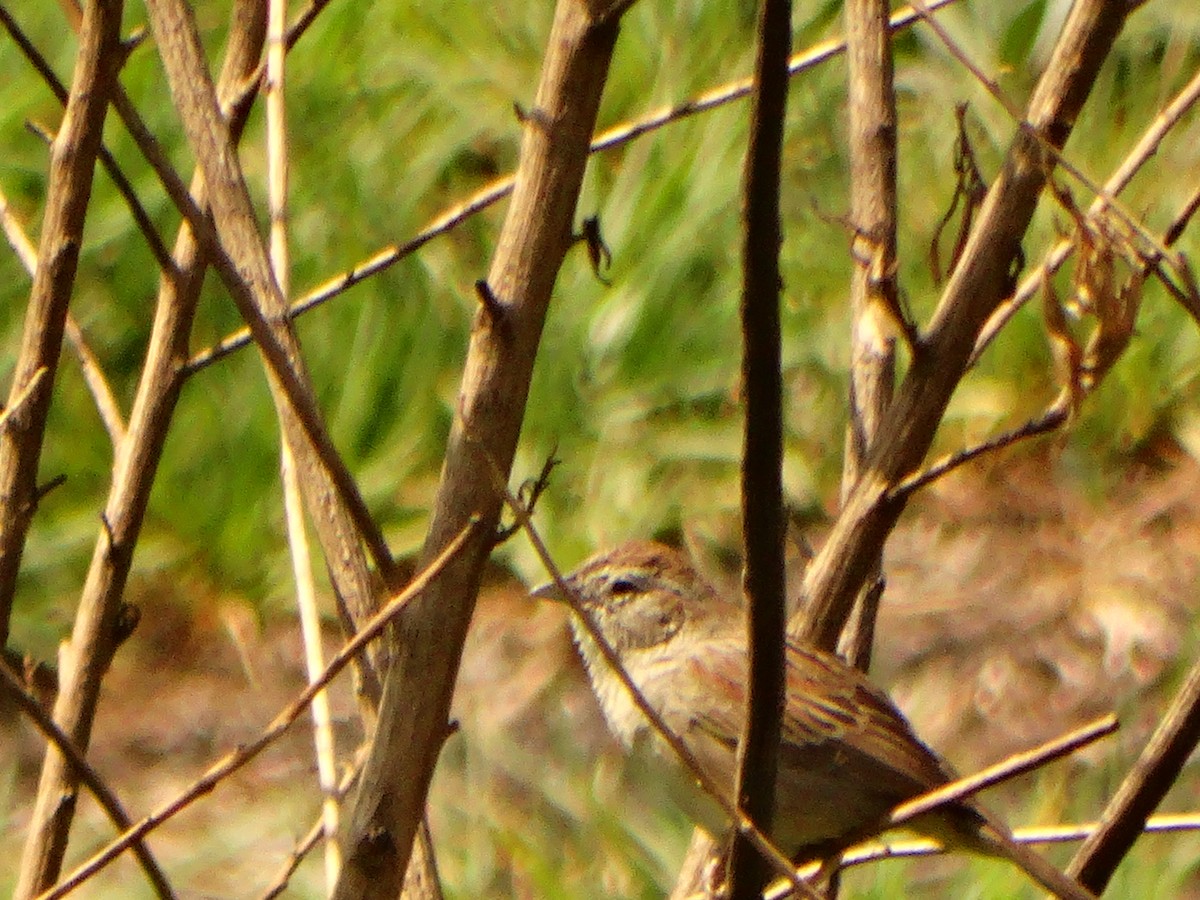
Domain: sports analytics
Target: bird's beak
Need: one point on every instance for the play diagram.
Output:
(548, 591)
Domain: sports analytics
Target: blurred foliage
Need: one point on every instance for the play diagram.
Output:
(398, 112)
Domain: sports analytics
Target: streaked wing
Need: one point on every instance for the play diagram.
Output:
(832, 699)
(849, 755)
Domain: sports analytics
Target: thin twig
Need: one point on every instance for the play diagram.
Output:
(105, 796)
(97, 382)
(93, 632)
(306, 844)
(72, 166)
(1015, 765)
(123, 185)
(979, 282)
(306, 599)
(878, 850)
(239, 757)
(1055, 153)
(991, 832)
(617, 136)
(237, 249)
(89, 364)
(306, 594)
(1141, 153)
(72, 169)
(1043, 424)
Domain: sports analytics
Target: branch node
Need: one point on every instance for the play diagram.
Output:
(496, 309)
(533, 115)
(40, 494)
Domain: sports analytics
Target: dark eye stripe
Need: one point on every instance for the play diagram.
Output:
(623, 586)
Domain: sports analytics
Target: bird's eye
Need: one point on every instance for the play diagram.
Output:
(622, 587)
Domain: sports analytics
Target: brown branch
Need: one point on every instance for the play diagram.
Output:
(976, 287)
(72, 163)
(357, 588)
(242, 262)
(616, 136)
(73, 158)
(763, 522)
(105, 796)
(337, 523)
(91, 645)
(874, 293)
(1054, 417)
(308, 843)
(239, 757)
(324, 745)
(993, 834)
(427, 642)
(1013, 766)
(89, 364)
(1053, 151)
(875, 851)
(1156, 770)
(97, 383)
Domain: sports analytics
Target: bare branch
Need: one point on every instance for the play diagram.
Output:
(93, 633)
(616, 136)
(976, 287)
(1141, 153)
(105, 796)
(238, 758)
(1130, 222)
(72, 163)
(1043, 424)
(874, 292)
(1156, 770)
(242, 261)
(119, 179)
(763, 522)
(1015, 765)
(93, 373)
(427, 642)
(306, 844)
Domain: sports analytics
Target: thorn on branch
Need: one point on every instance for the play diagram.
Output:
(128, 617)
(136, 38)
(598, 253)
(885, 289)
(11, 414)
(496, 309)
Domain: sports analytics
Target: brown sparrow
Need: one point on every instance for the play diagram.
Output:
(848, 756)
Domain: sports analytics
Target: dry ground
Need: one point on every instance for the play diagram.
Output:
(1016, 607)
